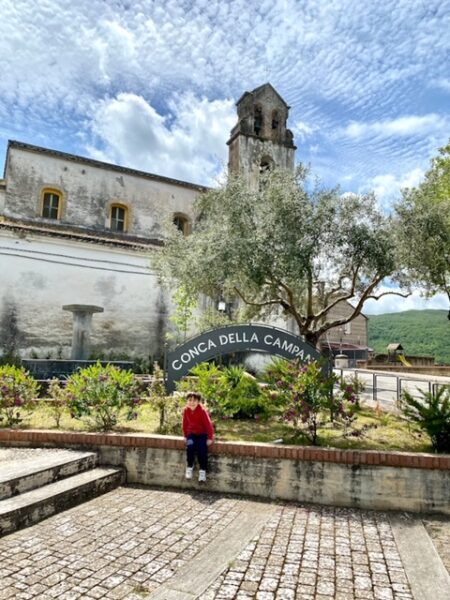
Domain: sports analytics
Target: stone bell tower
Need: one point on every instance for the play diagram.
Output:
(260, 140)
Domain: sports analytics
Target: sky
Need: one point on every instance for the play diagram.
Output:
(152, 85)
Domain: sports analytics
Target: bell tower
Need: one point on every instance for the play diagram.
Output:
(260, 139)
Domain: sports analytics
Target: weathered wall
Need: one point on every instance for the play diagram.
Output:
(354, 332)
(246, 153)
(89, 190)
(380, 488)
(370, 480)
(40, 274)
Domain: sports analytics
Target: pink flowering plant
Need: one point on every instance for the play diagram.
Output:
(103, 395)
(309, 397)
(17, 392)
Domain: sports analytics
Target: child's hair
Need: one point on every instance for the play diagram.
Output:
(194, 395)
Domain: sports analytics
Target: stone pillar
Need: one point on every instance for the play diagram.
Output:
(82, 321)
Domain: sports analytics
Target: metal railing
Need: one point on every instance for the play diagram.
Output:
(385, 389)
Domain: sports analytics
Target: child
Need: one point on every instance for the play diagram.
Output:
(198, 433)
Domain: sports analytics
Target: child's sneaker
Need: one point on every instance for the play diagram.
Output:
(189, 472)
(202, 476)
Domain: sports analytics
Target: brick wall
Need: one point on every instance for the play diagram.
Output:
(365, 479)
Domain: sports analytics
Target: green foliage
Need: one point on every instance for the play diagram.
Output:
(228, 393)
(305, 392)
(17, 392)
(103, 395)
(244, 399)
(424, 232)
(169, 408)
(59, 399)
(286, 245)
(431, 413)
(351, 388)
(420, 332)
(185, 303)
(309, 398)
(209, 383)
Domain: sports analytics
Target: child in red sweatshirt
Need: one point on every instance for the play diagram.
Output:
(198, 433)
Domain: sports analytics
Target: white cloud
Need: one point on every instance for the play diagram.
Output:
(391, 304)
(188, 143)
(402, 126)
(347, 68)
(302, 130)
(387, 186)
(442, 83)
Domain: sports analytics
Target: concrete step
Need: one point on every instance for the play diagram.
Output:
(47, 467)
(33, 506)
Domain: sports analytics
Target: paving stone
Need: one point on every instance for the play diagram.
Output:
(124, 545)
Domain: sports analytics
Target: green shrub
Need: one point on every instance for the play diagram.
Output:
(306, 396)
(244, 399)
(351, 388)
(209, 382)
(59, 399)
(17, 392)
(169, 408)
(431, 413)
(103, 395)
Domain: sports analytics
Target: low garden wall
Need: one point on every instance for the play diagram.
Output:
(365, 479)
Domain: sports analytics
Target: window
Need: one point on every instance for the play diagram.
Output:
(118, 218)
(258, 120)
(182, 224)
(266, 164)
(51, 207)
(275, 119)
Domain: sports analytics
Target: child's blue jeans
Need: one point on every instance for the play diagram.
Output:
(196, 445)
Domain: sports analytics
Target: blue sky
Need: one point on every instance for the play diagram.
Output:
(151, 84)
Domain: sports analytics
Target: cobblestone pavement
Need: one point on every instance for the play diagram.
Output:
(127, 543)
(317, 553)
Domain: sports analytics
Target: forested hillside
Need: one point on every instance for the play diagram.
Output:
(418, 331)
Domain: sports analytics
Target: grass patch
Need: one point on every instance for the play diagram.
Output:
(383, 431)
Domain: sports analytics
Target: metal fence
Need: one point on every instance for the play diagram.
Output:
(385, 389)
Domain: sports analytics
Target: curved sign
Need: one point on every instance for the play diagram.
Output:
(236, 338)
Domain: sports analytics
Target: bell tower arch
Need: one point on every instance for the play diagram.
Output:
(260, 139)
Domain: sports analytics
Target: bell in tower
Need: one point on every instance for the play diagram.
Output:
(260, 140)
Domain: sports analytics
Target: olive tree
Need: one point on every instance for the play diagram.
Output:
(424, 228)
(288, 246)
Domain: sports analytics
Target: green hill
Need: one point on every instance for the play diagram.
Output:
(418, 331)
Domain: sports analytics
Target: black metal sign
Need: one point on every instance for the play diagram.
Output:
(236, 338)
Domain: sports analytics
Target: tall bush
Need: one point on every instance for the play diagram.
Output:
(169, 408)
(307, 397)
(103, 395)
(17, 391)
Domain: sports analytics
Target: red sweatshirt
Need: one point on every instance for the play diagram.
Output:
(197, 421)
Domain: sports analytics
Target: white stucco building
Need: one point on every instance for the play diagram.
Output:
(78, 231)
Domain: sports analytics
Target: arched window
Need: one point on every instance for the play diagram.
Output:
(51, 203)
(275, 119)
(182, 223)
(258, 120)
(118, 220)
(266, 164)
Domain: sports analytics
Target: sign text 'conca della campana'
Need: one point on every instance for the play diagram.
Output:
(236, 338)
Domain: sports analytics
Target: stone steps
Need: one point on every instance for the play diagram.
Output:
(45, 467)
(34, 490)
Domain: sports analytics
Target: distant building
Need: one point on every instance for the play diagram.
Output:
(78, 231)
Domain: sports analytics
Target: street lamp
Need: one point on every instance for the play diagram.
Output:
(222, 306)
